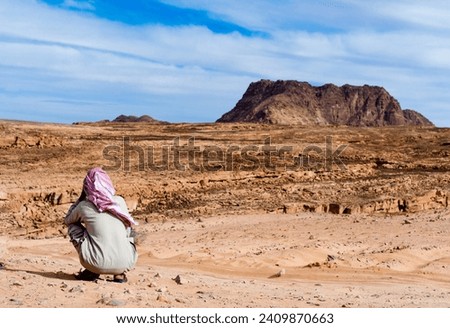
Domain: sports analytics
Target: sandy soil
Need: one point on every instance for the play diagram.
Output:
(373, 233)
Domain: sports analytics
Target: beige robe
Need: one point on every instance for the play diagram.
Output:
(102, 241)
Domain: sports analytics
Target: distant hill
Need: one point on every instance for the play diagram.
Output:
(132, 118)
(126, 119)
(293, 102)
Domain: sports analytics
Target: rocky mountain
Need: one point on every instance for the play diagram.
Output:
(293, 102)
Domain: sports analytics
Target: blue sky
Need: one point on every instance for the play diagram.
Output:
(191, 60)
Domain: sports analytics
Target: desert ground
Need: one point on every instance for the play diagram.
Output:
(233, 215)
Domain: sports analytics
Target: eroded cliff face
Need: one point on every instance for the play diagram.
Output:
(233, 169)
(293, 102)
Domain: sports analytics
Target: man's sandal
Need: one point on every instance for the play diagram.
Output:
(120, 278)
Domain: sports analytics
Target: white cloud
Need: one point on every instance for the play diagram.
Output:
(269, 15)
(433, 14)
(53, 57)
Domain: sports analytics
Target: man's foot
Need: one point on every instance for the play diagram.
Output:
(120, 278)
(87, 275)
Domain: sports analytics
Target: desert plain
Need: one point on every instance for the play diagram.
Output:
(233, 215)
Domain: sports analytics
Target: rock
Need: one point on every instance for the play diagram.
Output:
(76, 289)
(293, 102)
(60, 200)
(331, 258)
(162, 298)
(19, 143)
(279, 274)
(3, 195)
(116, 303)
(179, 280)
(16, 301)
(313, 265)
(111, 301)
(290, 208)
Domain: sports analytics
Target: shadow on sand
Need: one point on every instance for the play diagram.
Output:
(52, 275)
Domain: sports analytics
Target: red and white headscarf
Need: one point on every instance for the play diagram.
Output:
(100, 191)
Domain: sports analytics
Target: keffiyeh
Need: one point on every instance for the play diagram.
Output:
(100, 191)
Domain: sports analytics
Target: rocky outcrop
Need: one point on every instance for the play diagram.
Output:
(293, 102)
(431, 200)
(132, 118)
(126, 119)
